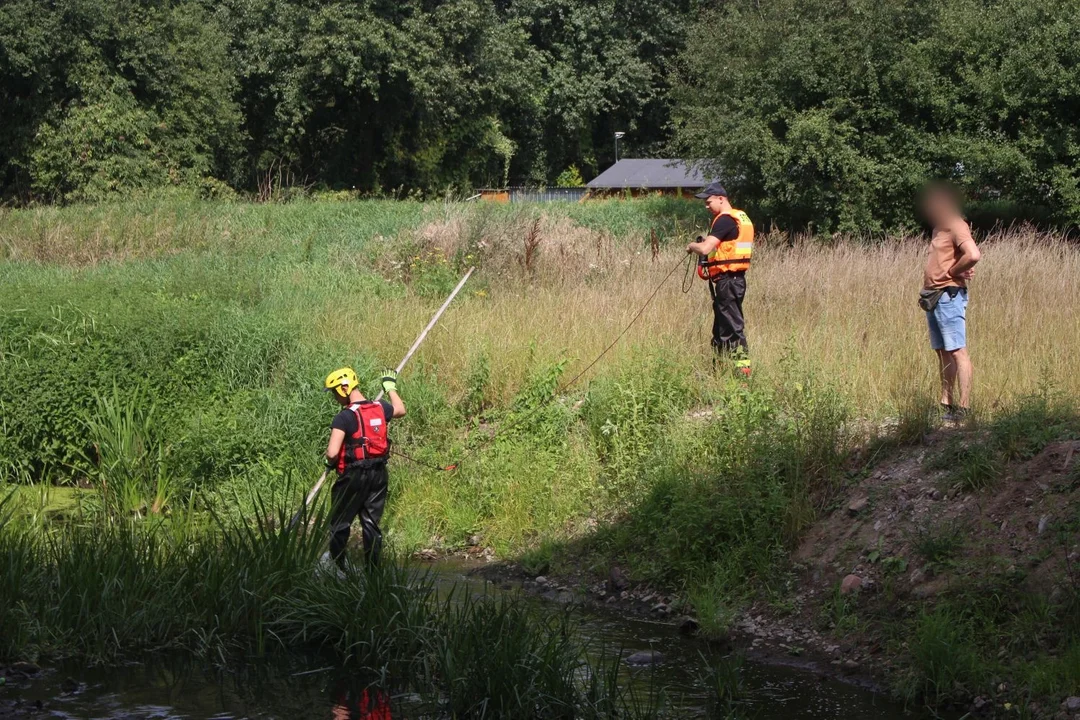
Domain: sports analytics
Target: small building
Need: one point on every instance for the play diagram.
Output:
(633, 177)
(642, 176)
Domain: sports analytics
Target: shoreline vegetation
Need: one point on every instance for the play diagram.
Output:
(167, 354)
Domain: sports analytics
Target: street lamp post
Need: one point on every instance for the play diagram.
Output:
(618, 136)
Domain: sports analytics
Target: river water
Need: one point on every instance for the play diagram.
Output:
(174, 688)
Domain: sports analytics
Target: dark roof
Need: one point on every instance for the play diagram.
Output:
(638, 173)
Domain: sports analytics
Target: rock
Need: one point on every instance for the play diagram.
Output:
(935, 495)
(857, 505)
(926, 590)
(688, 625)
(71, 687)
(541, 580)
(1043, 522)
(849, 667)
(473, 540)
(850, 584)
(611, 600)
(645, 657)
(979, 703)
(617, 581)
(1071, 704)
(24, 668)
(661, 609)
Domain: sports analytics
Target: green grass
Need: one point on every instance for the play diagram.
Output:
(101, 590)
(976, 460)
(170, 355)
(939, 541)
(945, 659)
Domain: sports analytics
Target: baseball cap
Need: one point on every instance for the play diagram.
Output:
(714, 188)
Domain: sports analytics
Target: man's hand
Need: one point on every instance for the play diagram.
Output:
(965, 275)
(389, 381)
(695, 247)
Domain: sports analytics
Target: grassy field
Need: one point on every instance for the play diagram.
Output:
(171, 355)
(212, 324)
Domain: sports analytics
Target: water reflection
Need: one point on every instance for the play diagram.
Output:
(314, 687)
(368, 704)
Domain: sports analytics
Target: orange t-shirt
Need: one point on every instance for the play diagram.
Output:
(944, 252)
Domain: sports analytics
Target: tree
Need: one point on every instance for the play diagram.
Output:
(113, 96)
(832, 113)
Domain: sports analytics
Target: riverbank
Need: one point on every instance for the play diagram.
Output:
(166, 358)
(945, 573)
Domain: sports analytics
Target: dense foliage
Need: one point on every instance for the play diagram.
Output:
(828, 113)
(834, 112)
(110, 96)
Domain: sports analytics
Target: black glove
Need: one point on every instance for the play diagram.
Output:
(330, 462)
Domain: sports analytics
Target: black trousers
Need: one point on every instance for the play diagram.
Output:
(358, 491)
(729, 329)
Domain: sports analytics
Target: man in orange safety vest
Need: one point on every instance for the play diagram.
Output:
(724, 257)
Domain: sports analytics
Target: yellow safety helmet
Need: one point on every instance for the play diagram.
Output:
(342, 381)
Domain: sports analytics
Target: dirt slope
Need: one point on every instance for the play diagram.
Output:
(914, 526)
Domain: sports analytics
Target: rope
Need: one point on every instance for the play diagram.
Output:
(561, 389)
(688, 276)
(423, 463)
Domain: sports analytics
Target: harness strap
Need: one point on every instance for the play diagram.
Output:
(729, 261)
(360, 431)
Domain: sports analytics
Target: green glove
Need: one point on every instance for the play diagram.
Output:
(389, 381)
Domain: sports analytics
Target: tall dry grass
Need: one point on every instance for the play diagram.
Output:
(847, 309)
(552, 288)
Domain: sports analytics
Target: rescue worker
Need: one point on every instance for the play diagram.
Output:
(723, 259)
(950, 264)
(358, 450)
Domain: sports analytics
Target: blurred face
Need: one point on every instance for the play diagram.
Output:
(938, 205)
(715, 203)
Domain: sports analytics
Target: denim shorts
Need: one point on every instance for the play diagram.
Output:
(948, 322)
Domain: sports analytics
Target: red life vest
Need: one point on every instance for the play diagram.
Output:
(369, 442)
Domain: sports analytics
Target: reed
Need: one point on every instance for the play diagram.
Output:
(103, 590)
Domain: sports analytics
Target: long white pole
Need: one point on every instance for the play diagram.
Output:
(420, 339)
(401, 366)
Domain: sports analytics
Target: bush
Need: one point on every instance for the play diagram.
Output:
(944, 655)
(727, 495)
